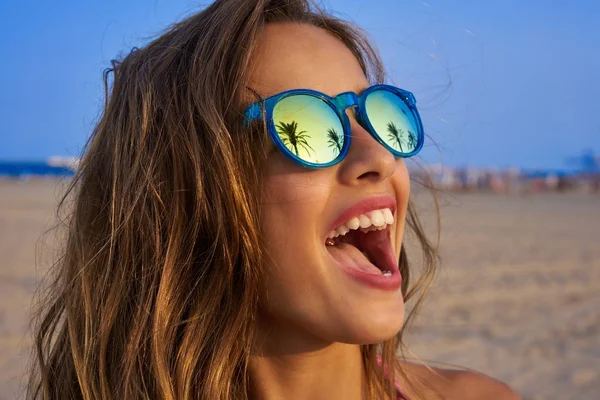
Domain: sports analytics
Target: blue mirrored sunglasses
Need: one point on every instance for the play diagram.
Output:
(313, 129)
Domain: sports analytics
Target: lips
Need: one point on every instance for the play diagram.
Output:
(367, 256)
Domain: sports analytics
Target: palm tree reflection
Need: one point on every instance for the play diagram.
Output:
(291, 138)
(334, 139)
(395, 135)
(412, 141)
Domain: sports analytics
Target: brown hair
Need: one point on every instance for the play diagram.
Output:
(155, 294)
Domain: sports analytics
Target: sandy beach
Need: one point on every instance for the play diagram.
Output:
(517, 296)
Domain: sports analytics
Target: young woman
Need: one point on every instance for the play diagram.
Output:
(237, 223)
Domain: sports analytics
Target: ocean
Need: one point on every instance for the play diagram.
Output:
(27, 169)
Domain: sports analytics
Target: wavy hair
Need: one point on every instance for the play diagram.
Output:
(155, 293)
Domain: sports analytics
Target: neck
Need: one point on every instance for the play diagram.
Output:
(299, 368)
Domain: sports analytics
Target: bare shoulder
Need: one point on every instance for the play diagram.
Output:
(459, 384)
(472, 385)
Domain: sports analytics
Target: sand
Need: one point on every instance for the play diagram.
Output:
(517, 296)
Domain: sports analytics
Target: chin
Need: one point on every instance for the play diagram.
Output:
(374, 328)
(384, 331)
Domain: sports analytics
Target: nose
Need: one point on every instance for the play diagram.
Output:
(367, 160)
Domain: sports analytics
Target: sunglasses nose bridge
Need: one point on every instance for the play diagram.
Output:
(345, 100)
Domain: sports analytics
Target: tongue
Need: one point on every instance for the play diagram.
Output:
(378, 246)
(348, 255)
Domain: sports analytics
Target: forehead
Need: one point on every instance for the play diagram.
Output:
(301, 56)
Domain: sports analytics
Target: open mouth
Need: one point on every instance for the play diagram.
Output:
(363, 243)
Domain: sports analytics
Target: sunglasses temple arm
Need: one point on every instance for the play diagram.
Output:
(254, 111)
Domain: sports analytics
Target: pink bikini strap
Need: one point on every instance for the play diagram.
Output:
(396, 384)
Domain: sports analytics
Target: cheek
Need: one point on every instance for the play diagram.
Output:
(292, 205)
(401, 183)
(293, 191)
(293, 202)
(292, 196)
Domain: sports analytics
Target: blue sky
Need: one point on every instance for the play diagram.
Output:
(499, 83)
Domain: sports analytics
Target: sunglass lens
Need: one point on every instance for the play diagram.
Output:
(396, 124)
(309, 129)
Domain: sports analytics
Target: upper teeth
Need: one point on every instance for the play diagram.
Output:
(372, 220)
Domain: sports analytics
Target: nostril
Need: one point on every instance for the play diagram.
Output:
(370, 175)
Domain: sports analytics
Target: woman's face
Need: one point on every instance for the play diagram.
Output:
(318, 293)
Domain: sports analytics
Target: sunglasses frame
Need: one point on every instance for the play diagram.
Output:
(339, 104)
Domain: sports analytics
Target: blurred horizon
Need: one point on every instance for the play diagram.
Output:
(498, 84)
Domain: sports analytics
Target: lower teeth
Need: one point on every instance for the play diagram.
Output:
(386, 273)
